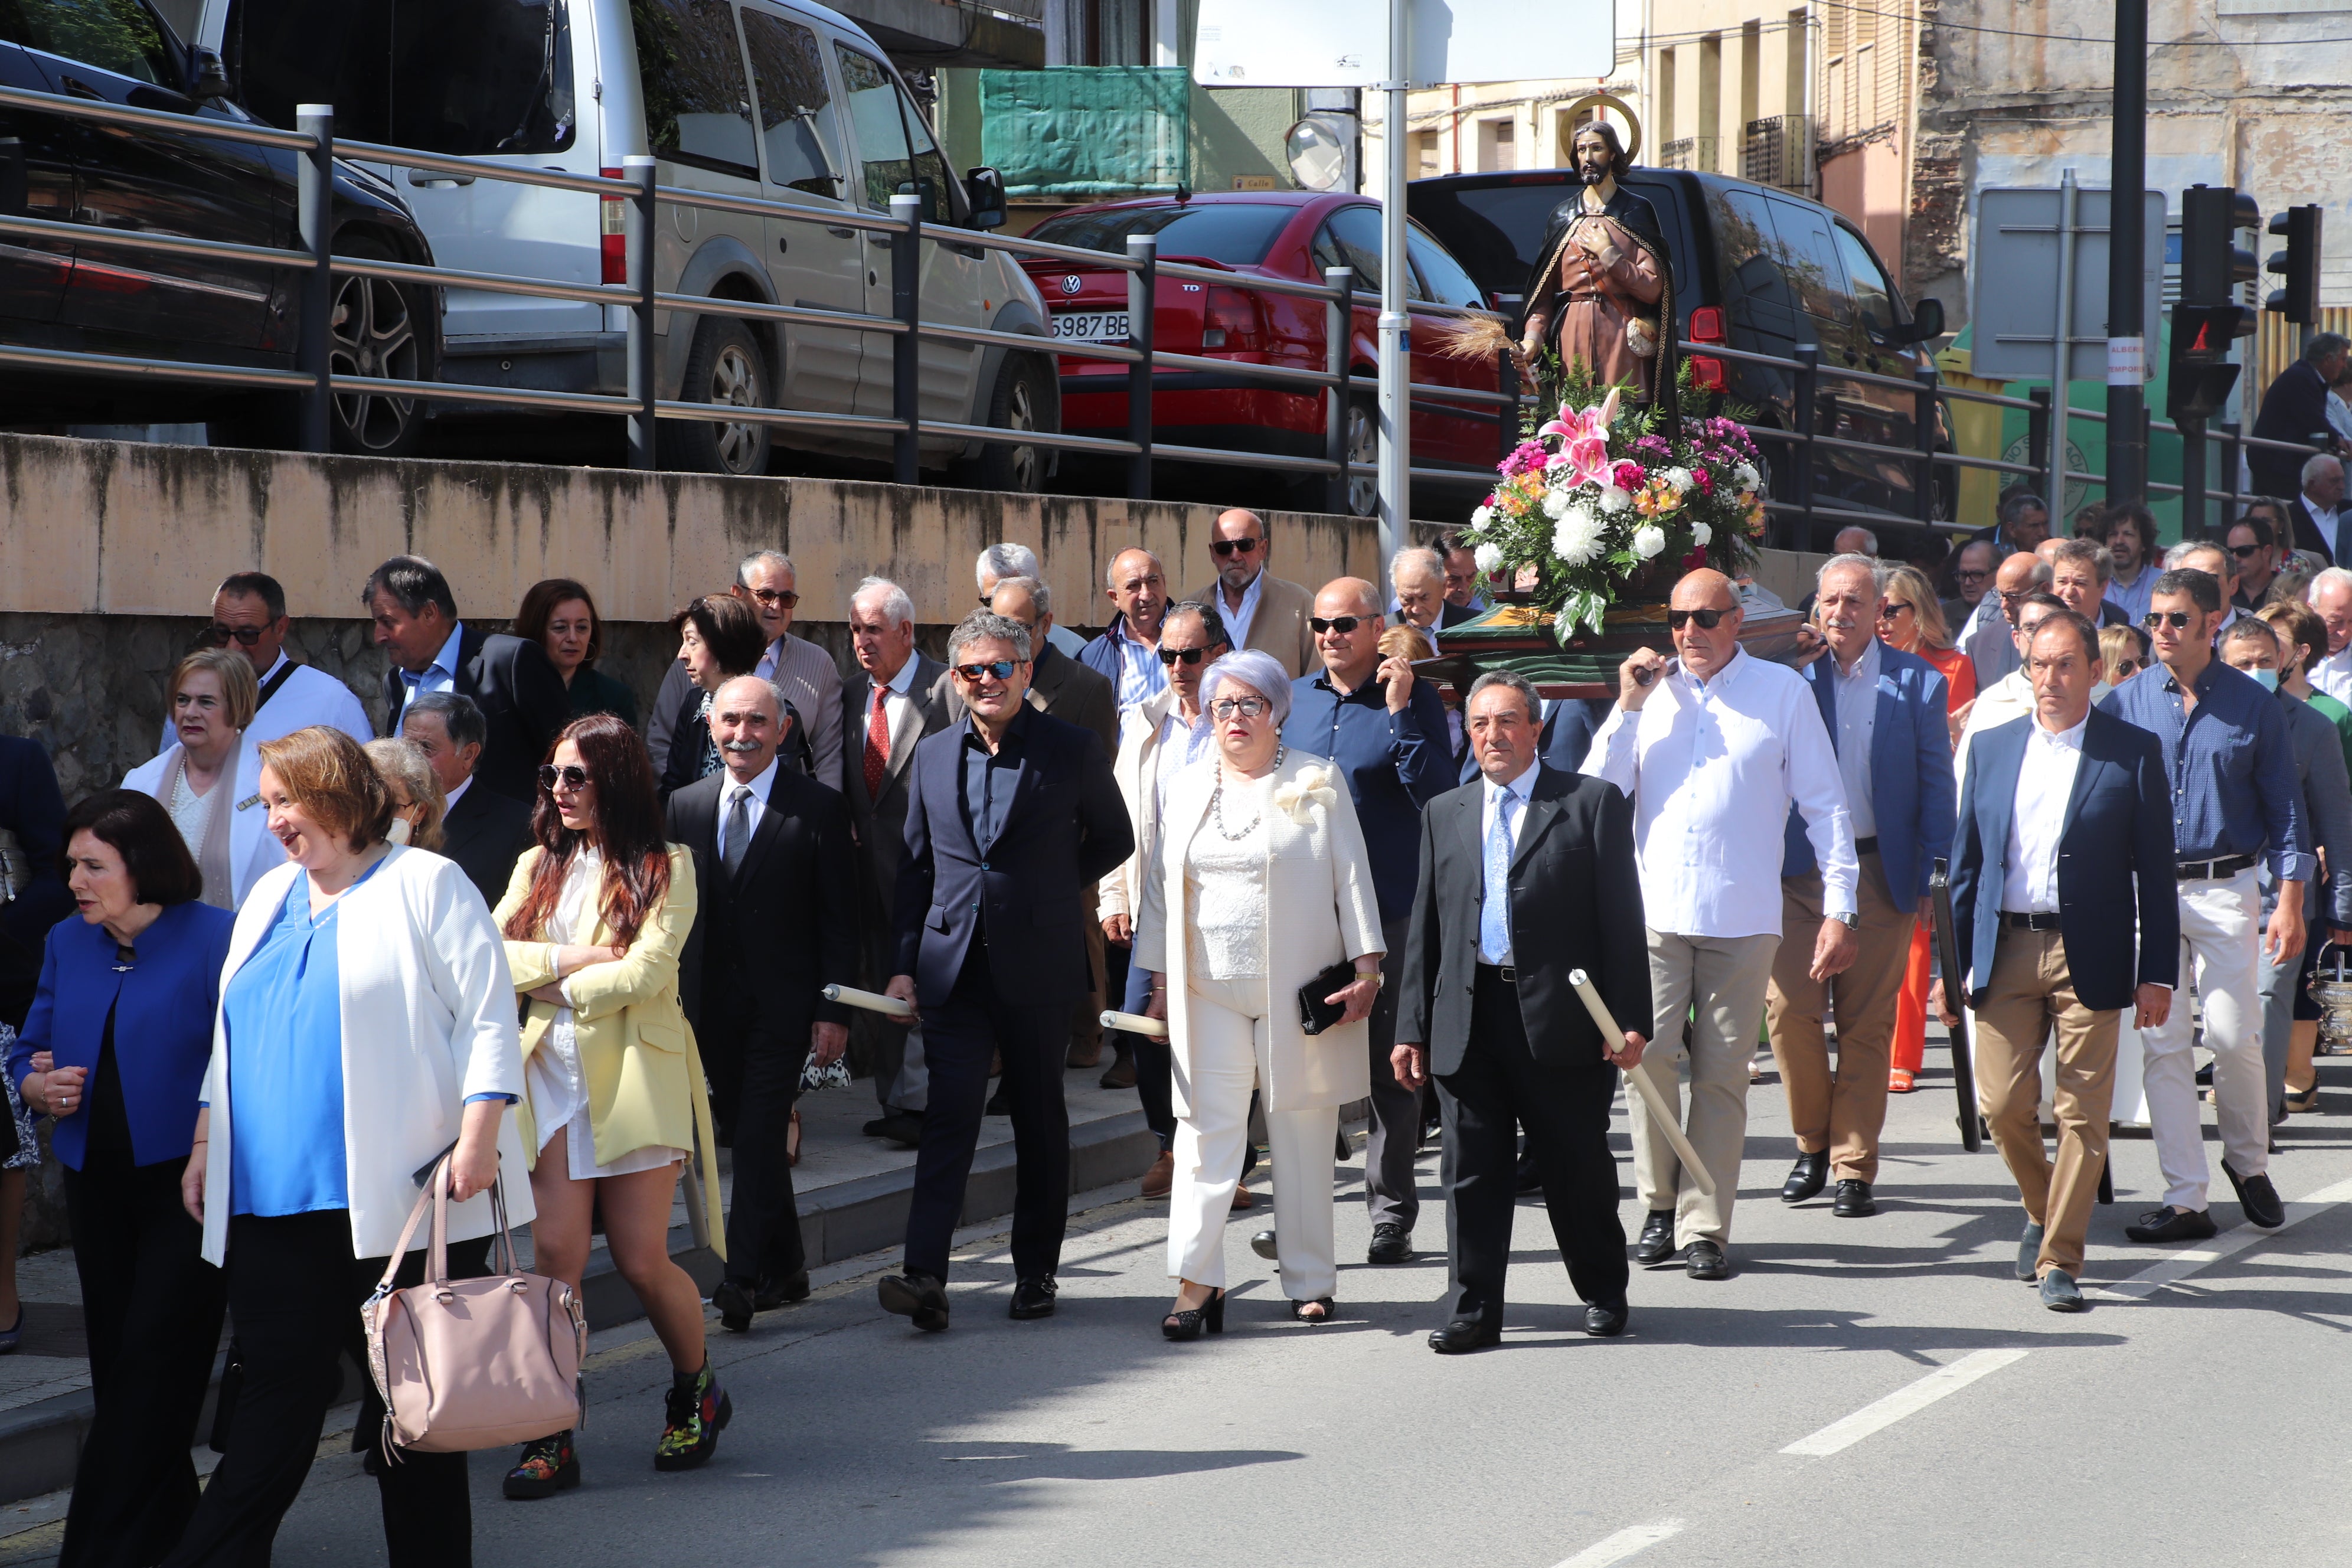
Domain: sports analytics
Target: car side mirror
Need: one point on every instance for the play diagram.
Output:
(983, 190)
(1927, 320)
(211, 77)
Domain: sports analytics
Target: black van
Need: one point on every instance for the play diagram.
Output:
(1754, 269)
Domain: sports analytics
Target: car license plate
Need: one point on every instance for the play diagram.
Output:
(1091, 326)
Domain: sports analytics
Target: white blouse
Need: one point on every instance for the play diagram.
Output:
(1226, 884)
(191, 813)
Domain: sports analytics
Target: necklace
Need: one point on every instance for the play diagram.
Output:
(1217, 802)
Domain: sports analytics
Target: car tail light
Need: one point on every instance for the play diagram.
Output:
(613, 239)
(1706, 326)
(1231, 319)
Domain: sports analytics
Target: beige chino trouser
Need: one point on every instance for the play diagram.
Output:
(1841, 1113)
(1725, 978)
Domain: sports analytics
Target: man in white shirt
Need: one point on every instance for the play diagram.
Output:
(1713, 752)
(1260, 610)
(2318, 517)
(2331, 596)
(249, 614)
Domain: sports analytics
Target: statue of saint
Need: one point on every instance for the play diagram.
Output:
(1604, 291)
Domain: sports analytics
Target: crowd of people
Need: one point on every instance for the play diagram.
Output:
(301, 958)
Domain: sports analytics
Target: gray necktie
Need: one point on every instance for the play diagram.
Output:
(738, 837)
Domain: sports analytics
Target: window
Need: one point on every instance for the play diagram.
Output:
(1238, 233)
(931, 182)
(1440, 276)
(1352, 237)
(1873, 298)
(117, 35)
(882, 148)
(1754, 289)
(690, 68)
(1809, 258)
(787, 69)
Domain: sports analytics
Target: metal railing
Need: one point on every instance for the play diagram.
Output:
(1773, 151)
(1703, 153)
(641, 405)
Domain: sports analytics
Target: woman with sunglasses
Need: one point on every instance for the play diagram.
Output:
(559, 614)
(210, 780)
(2123, 653)
(718, 639)
(595, 921)
(1260, 888)
(1910, 619)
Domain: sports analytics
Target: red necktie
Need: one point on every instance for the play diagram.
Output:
(878, 744)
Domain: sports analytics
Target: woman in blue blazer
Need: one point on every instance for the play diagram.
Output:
(125, 1006)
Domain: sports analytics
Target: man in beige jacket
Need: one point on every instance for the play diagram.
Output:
(1260, 610)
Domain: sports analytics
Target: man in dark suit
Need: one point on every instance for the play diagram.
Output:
(523, 702)
(886, 711)
(2065, 911)
(2295, 409)
(778, 921)
(2317, 512)
(484, 832)
(1011, 815)
(1525, 876)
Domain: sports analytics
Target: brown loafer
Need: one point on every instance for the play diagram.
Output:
(1242, 1199)
(1159, 1181)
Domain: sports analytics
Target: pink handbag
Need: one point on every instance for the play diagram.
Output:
(472, 1363)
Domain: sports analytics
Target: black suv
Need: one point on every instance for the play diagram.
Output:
(1754, 269)
(109, 299)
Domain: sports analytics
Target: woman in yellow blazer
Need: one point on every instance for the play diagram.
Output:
(596, 918)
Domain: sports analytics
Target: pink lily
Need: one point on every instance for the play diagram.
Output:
(1584, 439)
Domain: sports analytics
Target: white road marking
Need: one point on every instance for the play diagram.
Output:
(1623, 1544)
(1904, 1401)
(2181, 1265)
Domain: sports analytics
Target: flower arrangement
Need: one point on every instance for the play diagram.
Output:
(1599, 494)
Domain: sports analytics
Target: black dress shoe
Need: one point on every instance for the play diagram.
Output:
(1806, 1177)
(1264, 1245)
(1853, 1200)
(1391, 1242)
(904, 1128)
(915, 1295)
(733, 1299)
(1657, 1242)
(1463, 1335)
(1530, 1178)
(2028, 1252)
(1706, 1261)
(2169, 1224)
(998, 1104)
(2257, 1197)
(1032, 1298)
(775, 1293)
(1605, 1320)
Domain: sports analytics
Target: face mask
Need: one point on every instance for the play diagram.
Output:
(2269, 678)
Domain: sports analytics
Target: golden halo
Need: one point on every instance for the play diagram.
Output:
(1611, 102)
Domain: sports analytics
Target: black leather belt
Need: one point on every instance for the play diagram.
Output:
(2211, 870)
(1866, 845)
(1502, 971)
(2016, 921)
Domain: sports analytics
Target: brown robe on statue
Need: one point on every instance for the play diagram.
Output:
(1588, 305)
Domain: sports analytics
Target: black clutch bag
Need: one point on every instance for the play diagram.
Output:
(1316, 1014)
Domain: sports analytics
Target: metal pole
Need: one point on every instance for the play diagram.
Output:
(2127, 296)
(1809, 361)
(644, 382)
(1396, 325)
(2037, 439)
(1923, 435)
(314, 200)
(2230, 452)
(1142, 298)
(2192, 479)
(2053, 458)
(906, 365)
(1338, 319)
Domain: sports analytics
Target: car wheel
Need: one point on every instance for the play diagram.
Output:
(1021, 400)
(726, 366)
(378, 330)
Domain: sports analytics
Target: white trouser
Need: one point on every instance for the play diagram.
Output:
(2220, 935)
(1228, 1033)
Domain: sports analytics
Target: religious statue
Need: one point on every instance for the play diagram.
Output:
(1603, 294)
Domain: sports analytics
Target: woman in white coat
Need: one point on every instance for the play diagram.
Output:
(209, 779)
(367, 1027)
(1261, 883)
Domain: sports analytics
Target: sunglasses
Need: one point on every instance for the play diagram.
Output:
(1235, 546)
(1973, 576)
(2155, 618)
(2125, 667)
(784, 596)
(1343, 625)
(2247, 552)
(572, 778)
(1247, 706)
(245, 635)
(1708, 619)
(1893, 608)
(1171, 657)
(1002, 669)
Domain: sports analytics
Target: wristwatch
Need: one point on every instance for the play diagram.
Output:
(1851, 921)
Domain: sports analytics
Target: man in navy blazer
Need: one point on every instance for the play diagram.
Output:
(2065, 911)
(1884, 709)
(1011, 816)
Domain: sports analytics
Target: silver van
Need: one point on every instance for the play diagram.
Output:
(779, 100)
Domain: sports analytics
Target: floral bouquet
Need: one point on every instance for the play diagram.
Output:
(1598, 495)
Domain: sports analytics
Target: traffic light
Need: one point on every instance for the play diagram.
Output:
(2213, 265)
(2198, 375)
(2298, 264)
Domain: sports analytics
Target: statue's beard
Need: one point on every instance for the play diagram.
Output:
(1595, 176)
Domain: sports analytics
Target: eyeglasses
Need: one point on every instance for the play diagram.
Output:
(2247, 552)
(245, 635)
(774, 596)
(2012, 595)
(1171, 657)
(572, 778)
(1343, 625)
(1002, 669)
(1967, 576)
(1706, 619)
(1235, 546)
(1247, 706)
(2155, 618)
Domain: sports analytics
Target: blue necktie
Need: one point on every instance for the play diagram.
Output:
(1495, 912)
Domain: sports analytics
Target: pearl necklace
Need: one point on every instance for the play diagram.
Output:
(1217, 802)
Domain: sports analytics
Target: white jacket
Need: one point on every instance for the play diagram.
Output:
(253, 849)
(428, 1020)
(1137, 767)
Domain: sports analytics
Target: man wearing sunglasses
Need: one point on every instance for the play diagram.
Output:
(1260, 610)
(1972, 571)
(2254, 548)
(1989, 639)
(1127, 654)
(1011, 815)
(2230, 762)
(1709, 748)
(249, 615)
(1387, 734)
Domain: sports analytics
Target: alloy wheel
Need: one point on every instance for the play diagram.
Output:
(374, 335)
(735, 383)
(1027, 463)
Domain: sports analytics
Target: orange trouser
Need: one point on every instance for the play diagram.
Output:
(1911, 1009)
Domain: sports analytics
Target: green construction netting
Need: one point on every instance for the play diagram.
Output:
(1079, 132)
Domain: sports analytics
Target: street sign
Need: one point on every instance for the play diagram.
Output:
(1344, 43)
(2015, 284)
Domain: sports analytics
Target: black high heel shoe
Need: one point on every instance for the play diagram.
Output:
(1297, 1309)
(1188, 1323)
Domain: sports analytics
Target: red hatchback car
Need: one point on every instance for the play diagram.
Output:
(1292, 235)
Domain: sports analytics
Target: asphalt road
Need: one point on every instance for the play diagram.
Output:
(1872, 1393)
